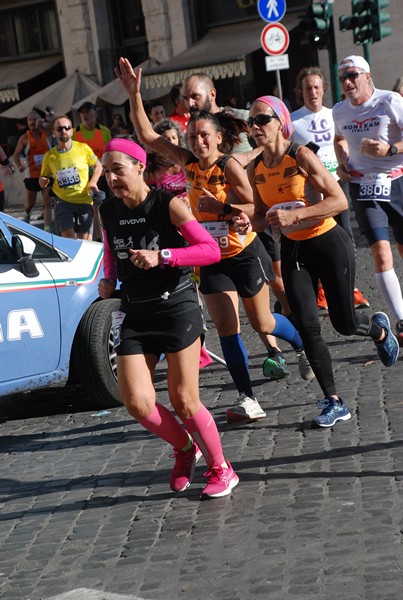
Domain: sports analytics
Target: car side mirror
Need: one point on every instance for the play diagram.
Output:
(22, 249)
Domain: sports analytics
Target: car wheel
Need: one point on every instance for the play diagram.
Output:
(94, 355)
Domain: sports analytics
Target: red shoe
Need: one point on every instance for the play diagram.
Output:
(205, 359)
(220, 481)
(184, 469)
(359, 300)
(321, 298)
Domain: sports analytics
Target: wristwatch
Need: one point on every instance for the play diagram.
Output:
(165, 256)
(226, 209)
(392, 150)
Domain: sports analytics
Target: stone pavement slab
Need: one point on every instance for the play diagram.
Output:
(85, 502)
(86, 594)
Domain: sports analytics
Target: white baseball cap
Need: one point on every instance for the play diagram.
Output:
(353, 60)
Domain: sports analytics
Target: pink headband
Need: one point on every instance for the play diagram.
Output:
(280, 109)
(127, 147)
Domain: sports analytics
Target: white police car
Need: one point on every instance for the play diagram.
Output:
(53, 326)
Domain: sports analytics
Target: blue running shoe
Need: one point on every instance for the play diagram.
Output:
(333, 411)
(388, 349)
(275, 366)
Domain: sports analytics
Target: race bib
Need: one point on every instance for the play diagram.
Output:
(291, 205)
(328, 159)
(117, 319)
(219, 230)
(67, 177)
(38, 159)
(376, 186)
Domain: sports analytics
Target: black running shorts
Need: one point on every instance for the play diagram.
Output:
(160, 326)
(32, 184)
(245, 273)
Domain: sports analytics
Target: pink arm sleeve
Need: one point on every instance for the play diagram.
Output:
(202, 250)
(110, 271)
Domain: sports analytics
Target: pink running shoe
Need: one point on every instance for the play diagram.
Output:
(220, 481)
(184, 469)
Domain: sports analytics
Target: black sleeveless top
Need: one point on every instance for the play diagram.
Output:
(148, 226)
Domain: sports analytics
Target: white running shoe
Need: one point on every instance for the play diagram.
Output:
(305, 369)
(245, 409)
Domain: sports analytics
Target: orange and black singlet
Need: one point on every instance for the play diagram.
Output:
(220, 226)
(286, 183)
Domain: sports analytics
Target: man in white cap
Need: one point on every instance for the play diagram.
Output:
(369, 149)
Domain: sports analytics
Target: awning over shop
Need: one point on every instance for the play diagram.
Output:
(219, 54)
(113, 92)
(14, 73)
(61, 95)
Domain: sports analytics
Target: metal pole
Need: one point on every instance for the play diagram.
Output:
(333, 63)
(280, 90)
(367, 53)
(216, 358)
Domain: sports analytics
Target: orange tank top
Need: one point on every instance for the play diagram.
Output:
(220, 226)
(36, 151)
(286, 183)
(96, 143)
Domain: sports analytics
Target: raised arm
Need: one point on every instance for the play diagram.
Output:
(131, 82)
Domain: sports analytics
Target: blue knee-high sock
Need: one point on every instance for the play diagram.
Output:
(236, 358)
(285, 330)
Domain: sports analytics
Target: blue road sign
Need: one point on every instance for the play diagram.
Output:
(271, 11)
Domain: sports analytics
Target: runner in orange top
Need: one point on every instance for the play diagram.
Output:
(28, 156)
(297, 196)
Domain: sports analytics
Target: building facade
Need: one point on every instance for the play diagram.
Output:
(43, 40)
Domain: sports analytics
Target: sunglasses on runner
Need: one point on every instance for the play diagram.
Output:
(352, 75)
(61, 128)
(260, 119)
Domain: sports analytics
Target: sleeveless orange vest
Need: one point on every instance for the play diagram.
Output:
(286, 183)
(36, 152)
(219, 226)
(96, 143)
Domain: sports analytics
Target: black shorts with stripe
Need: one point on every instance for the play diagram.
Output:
(245, 273)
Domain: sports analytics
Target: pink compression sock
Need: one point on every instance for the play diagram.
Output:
(163, 423)
(203, 429)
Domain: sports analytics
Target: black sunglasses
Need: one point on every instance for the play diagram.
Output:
(351, 75)
(63, 128)
(261, 119)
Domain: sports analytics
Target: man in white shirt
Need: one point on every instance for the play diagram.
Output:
(369, 148)
(313, 122)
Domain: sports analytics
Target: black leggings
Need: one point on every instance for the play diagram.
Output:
(330, 258)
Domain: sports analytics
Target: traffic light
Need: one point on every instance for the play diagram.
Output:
(379, 18)
(317, 22)
(362, 13)
(366, 21)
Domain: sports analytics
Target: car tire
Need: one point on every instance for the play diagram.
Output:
(94, 356)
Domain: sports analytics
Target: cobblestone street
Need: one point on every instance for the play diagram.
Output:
(87, 513)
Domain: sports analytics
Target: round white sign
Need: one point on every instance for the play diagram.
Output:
(275, 39)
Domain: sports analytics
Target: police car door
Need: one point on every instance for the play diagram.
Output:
(29, 317)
